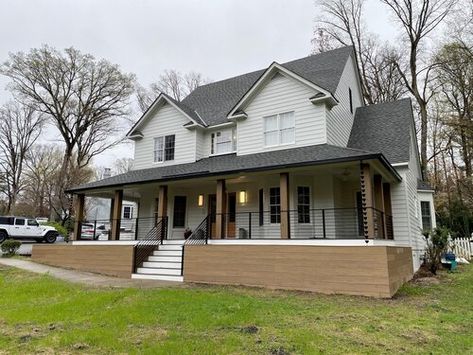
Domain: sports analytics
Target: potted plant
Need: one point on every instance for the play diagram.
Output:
(187, 233)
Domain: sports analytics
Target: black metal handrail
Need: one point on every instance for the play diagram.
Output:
(202, 233)
(145, 247)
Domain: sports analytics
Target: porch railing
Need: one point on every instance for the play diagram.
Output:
(145, 247)
(130, 228)
(304, 223)
(201, 234)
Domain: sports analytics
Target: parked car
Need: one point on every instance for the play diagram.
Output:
(26, 228)
(88, 232)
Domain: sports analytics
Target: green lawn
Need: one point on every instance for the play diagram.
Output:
(41, 314)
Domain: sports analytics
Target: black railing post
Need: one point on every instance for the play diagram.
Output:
(136, 228)
(249, 225)
(182, 261)
(95, 229)
(323, 224)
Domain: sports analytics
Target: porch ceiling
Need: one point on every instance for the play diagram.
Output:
(232, 165)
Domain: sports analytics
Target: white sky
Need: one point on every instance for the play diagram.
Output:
(218, 38)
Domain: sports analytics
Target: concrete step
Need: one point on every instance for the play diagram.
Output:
(161, 258)
(158, 277)
(167, 253)
(176, 247)
(158, 271)
(173, 241)
(159, 264)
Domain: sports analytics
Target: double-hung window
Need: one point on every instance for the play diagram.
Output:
(303, 204)
(127, 212)
(164, 148)
(279, 129)
(275, 205)
(223, 142)
(426, 215)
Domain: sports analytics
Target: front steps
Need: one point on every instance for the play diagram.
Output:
(164, 264)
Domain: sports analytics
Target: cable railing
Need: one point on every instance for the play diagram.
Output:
(146, 246)
(304, 223)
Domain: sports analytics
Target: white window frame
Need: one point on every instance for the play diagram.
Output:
(130, 212)
(214, 143)
(159, 154)
(279, 130)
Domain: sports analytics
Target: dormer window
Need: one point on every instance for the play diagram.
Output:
(164, 148)
(223, 142)
(279, 129)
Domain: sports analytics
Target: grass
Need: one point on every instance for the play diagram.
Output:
(39, 314)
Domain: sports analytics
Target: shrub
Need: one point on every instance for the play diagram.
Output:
(10, 247)
(59, 227)
(437, 244)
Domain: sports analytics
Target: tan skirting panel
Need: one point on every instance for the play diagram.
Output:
(376, 271)
(113, 260)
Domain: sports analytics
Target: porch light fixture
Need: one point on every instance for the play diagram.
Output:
(200, 200)
(242, 196)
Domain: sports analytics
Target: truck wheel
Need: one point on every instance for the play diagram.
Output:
(50, 237)
(3, 236)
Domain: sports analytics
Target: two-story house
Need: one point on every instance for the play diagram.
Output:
(281, 178)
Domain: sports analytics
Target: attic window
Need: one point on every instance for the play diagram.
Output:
(164, 148)
(350, 97)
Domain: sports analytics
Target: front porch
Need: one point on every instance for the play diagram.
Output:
(350, 200)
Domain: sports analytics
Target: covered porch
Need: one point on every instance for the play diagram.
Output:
(340, 200)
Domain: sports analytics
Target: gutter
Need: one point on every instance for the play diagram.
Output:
(207, 173)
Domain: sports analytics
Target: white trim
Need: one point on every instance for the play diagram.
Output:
(400, 164)
(151, 108)
(269, 71)
(315, 242)
(105, 242)
(220, 125)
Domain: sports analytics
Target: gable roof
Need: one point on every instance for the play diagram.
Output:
(384, 128)
(214, 101)
(188, 112)
(232, 163)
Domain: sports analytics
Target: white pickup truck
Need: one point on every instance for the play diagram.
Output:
(26, 228)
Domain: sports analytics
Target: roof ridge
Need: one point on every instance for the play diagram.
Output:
(321, 54)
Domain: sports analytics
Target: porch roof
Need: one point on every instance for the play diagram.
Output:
(232, 163)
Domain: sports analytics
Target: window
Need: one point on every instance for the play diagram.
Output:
(19, 222)
(223, 142)
(164, 148)
(179, 216)
(279, 129)
(128, 212)
(426, 216)
(6, 220)
(33, 223)
(303, 204)
(274, 205)
(350, 97)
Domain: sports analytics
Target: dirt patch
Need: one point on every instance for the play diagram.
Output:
(427, 281)
(250, 329)
(423, 272)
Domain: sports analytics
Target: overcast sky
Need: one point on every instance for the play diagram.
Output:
(218, 38)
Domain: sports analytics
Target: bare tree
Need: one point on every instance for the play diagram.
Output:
(172, 83)
(20, 127)
(84, 97)
(418, 19)
(341, 23)
(122, 165)
(455, 75)
(43, 163)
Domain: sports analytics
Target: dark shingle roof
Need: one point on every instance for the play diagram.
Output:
(231, 163)
(214, 101)
(424, 185)
(384, 128)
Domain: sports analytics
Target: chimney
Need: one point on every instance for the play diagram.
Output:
(107, 172)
